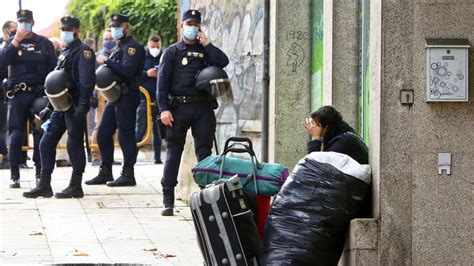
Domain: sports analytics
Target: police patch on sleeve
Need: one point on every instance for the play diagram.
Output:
(131, 51)
(87, 54)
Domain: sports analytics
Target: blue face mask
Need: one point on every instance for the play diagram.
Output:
(25, 25)
(117, 33)
(190, 32)
(67, 36)
(108, 45)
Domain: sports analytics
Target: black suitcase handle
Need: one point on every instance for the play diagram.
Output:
(241, 140)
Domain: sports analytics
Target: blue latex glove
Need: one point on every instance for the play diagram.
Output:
(45, 125)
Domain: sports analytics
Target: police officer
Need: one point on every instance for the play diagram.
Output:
(30, 57)
(77, 62)
(126, 62)
(148, 78)
(182, 105)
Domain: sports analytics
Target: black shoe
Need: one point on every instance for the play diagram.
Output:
(45, 192)
(126, 179)
(15, 183)
(167, 211)
(70, 192)
(105, 175)
(158, 162)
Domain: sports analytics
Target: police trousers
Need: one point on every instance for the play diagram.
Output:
(120, 115)
(18, 114)
(60, 122)
(201, 119)
(141, 127)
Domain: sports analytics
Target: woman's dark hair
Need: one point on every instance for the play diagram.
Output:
(331, 119)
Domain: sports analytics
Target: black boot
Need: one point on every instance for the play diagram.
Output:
(74, 190)
(105, 174)
(126, 179)
(38, 176)
(15, 177)
(43, 189)
(168, 201)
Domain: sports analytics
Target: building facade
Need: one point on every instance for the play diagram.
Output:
(360, 56)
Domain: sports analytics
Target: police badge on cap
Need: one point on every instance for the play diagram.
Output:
(24, 14)
(192, 14)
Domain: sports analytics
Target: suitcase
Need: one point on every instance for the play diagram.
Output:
(225, 225)
(260, 204)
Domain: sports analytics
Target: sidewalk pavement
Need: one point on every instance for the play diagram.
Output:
(108, 225)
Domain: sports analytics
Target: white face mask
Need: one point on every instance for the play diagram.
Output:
(155, 51)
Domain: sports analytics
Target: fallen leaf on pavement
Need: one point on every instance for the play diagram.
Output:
(81, 254)
(169, 256)
(150, 249)
(36, 234)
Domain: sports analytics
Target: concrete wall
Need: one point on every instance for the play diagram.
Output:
(290, 79)
(341, 57)
(237, 28)
(425, 218)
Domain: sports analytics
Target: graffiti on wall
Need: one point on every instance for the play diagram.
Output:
(236, 27)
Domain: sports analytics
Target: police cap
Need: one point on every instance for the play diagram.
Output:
(117, 19)
(68, 23)
(192, 14)
(24, 14)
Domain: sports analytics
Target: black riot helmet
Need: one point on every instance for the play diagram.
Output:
(58, 86)
(38, 105)
(215, 81)
(107, 84)
(104, 76)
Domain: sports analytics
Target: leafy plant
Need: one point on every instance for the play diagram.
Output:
(146, 16)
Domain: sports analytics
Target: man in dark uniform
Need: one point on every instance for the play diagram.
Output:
(9, 30)
(30, 57)
(126, 61)
(78, 61)
(153, 53)
(183, 106)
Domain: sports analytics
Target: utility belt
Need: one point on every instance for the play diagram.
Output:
(176, 100)
(11, 91)
(191, 99)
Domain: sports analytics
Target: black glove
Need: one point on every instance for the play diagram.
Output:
(94, 102)
(45, 114)
(80, 112)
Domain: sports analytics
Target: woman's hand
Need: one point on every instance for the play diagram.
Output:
(314, 129)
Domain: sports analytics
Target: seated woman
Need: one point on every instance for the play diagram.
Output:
(329, 132)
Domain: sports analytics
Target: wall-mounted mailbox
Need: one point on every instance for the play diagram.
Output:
(447, 63)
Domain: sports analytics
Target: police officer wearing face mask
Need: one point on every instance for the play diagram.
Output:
(69, 88)
(153, 53)
(9, 30)
(30, 57)
(126, 63)
(182, 105)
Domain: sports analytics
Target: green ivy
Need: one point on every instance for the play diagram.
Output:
(147, 17)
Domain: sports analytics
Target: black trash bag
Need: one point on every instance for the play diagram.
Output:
(310, 216)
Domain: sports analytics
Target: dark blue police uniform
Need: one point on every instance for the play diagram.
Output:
(78, 60)
(149, 83)
(190, 107)
(126, 61)
(28, 66)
